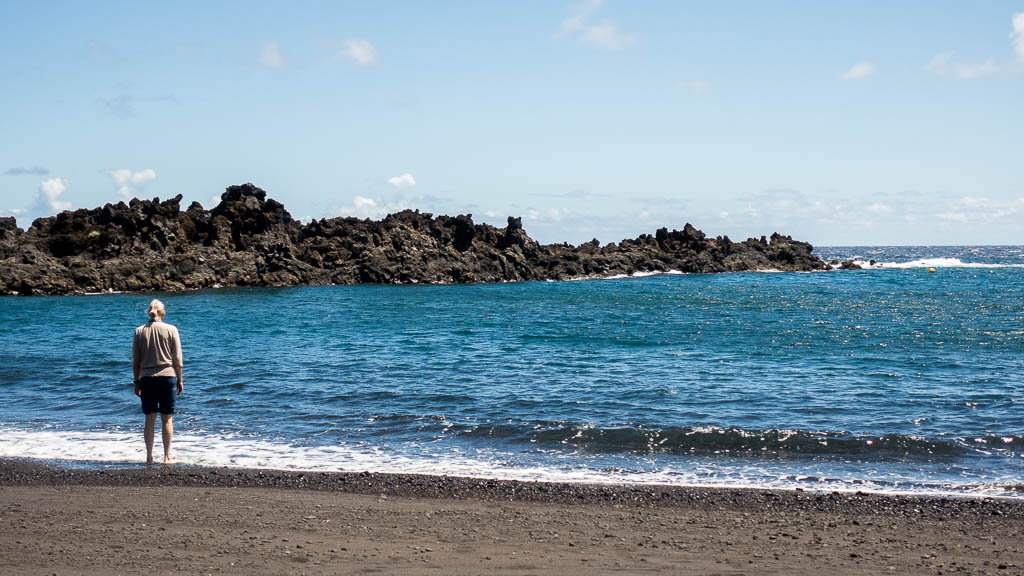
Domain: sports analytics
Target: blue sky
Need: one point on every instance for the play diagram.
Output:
(836, 122)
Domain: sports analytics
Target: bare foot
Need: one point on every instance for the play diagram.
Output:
(168, 461)
(149, 462)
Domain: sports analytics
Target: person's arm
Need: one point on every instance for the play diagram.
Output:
(135, 365)
(178, 363)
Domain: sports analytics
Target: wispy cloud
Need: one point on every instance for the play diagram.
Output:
(125, 105)
(578, 17)
(130, 183)
(1017, 36)
(653, 202)
(978, 209)
(781, 204)
(968, 71)
(605, 35)
(121, 105)
(694, 85)
(860, 71)
(27, 170)
(99, 50)
(573, 194)
(943, 64)
(271, 56)
(360, 51)
(550, 215)
(939, 64)
(929, 217)
(403, 181)
(879, 208)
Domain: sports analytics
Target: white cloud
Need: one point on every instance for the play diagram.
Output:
(969, 71)
(403, 181)
(362, 203)
(859, 71)
(943, 64)
(976, 202)
(373, 208)
(904, 216)
(214, 202)
(359, 51)
(939, 65)
(607, 36)
(270, 56)
(977, 209)
(578, 19)
(558, 214)
(791, 210)
(50, 192)
(130, 183)
(1017, 36)
(695, 85)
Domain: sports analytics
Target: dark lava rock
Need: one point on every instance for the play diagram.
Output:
(249, 239)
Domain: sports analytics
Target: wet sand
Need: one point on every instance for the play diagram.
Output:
(228, 521)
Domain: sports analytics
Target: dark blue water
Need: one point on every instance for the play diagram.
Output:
(893, 378)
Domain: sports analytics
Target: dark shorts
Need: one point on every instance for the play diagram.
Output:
(158, 394)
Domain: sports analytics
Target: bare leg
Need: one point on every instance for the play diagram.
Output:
(167, 430)
(150, 424)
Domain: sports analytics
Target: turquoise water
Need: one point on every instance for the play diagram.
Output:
(891, 379)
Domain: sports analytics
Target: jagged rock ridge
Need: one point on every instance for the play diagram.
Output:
(251, 240)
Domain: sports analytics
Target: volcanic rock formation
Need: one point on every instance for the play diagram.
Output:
(251, 240)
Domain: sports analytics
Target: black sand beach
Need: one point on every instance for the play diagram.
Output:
(197, 520)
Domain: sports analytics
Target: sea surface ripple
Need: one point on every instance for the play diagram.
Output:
(893, 378)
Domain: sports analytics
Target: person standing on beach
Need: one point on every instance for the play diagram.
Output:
(156, 365)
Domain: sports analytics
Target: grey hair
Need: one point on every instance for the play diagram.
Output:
(156, 308)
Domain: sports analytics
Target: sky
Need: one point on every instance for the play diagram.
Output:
(839, 123)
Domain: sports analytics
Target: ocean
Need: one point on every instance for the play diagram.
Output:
(890, 379)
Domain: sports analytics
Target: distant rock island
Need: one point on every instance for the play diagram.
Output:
(251, 240)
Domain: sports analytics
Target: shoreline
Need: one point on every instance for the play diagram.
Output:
(245, 521)
(15, 469)
(636, 275)
(19, 472)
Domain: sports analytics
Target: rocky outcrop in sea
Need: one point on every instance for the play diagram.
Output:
(251, 240)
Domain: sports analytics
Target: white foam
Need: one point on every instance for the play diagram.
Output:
(931, 263)
(231, 451)
(242, 452)
(642, 274)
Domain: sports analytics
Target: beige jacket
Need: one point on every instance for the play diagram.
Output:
(156, 349)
